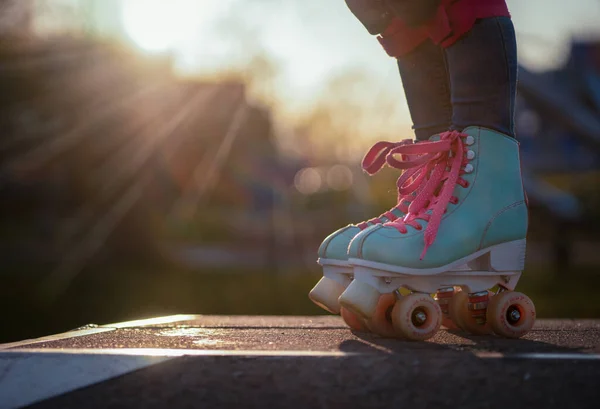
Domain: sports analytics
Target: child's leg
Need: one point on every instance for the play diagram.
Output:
(483, 74)
(427, 89)
(481, 53)
(470, 207)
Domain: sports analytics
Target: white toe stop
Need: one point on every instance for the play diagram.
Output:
(326, 293)
(360, 298)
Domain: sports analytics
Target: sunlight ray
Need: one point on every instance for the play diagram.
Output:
(205, 173)
(39, 156)
(94, 82)
(134, 161)
(85, 212)
(76, 260)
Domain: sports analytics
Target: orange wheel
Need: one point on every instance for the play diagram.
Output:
(417, 317)
(511, 314)
(353, 321)
(381, 322)
(462, 317)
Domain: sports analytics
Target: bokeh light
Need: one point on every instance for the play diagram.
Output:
(308, 181)
(339, 177)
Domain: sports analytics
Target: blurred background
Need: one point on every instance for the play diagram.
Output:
(188, 156)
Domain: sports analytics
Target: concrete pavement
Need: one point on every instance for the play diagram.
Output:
(223, 361)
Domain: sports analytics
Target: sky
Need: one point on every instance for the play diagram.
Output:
(311, 42)
(315, 37)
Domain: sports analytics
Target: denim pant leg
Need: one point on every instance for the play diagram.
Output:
(427, 88)
(483, 76)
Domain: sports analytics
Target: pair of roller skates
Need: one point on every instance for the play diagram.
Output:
(450, 253)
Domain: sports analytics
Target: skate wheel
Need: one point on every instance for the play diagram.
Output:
(511, 314)
(416, 317)
(326, 293)
(460, 314)
(355, 323)
(381, 321)
(360, 298)
(457, 307)
(456, 302)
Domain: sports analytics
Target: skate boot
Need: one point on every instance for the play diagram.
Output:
(469, 209)
(333, 252)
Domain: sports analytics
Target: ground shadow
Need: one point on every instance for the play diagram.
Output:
(452, 340)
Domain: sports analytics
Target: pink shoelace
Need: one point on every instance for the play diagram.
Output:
(432, 170)
(372, 163)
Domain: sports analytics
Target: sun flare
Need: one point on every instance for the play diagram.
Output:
(161, 25)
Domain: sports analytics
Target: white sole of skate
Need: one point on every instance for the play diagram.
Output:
(501, 264)
(505, 256)
(418, 316)
(496, 265)
(337, 276)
